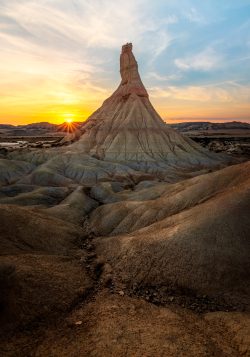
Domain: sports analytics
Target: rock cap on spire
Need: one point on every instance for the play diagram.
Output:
(127, 47)
(131, 81)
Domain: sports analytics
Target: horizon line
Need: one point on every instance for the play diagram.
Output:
(167, 121)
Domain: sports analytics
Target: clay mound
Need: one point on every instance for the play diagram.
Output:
(39, 287)
(29, 195)
(26, 230)
(126, 128)
(41, 274)
(12, 170)
(75, 207)
(71, 167)
(160, 201)
(205, 247)
(35, 157)
(121, 326)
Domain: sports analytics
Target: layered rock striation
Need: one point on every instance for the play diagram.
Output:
(126, 128)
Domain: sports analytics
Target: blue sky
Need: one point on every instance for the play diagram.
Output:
(61, 57)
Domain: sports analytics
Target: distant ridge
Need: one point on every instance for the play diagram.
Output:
(197, 126)
(42, 128)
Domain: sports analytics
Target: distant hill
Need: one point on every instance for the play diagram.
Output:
(6, 126)
(48, 129)
(41, 125)
(205, 126)
(37, 129)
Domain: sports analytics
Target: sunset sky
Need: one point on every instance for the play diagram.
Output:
(60, 58)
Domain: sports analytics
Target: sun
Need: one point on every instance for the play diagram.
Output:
(69, 124)
(68, 118)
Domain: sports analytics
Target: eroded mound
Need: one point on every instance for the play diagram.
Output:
(25, 230)
(125, 212)
(196, 241)
(41, 274)
(12, 170)
(121, 326)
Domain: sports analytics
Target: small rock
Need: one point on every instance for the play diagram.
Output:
(78, 322)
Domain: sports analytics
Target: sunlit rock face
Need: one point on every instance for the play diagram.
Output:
(127, 128)
(131, 80)
(193, 234)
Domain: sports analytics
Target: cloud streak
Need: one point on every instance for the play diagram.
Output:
(203, 61)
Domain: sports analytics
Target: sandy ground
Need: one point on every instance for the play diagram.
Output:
(114, 325)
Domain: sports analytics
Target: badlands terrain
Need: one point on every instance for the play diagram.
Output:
(124, 238)
(232, 138)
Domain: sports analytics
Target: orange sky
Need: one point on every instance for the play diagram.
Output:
(53, 94)
(171, 112)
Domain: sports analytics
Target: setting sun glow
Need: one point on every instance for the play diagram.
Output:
(69, 118)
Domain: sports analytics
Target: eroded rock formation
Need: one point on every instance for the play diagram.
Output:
(126, 128)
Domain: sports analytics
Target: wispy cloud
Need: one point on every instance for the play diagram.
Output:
(162, 78)
(203, 61)
(229, 93)
(193, 15)
(90, 23)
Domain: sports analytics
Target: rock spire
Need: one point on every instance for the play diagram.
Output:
(131, 80)
(127, 128)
